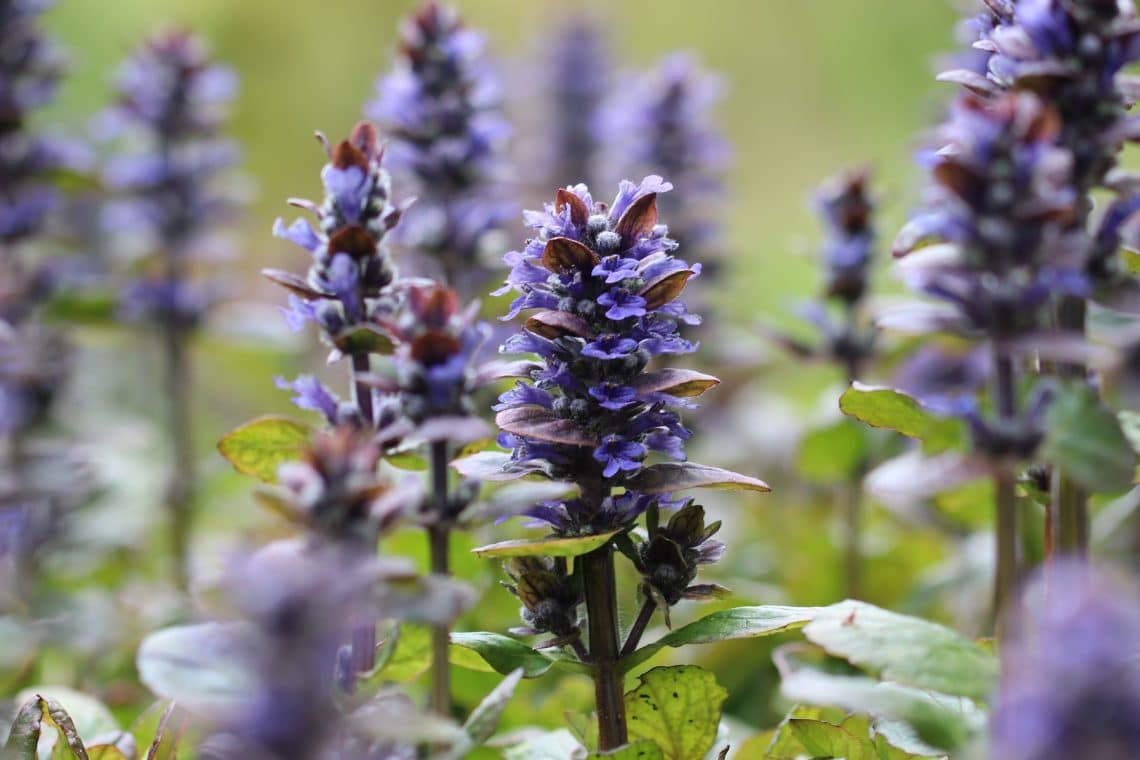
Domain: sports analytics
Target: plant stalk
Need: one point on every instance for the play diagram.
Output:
(648, 606)
(438, 545)
(1070, 500)
(180, 479)
(600, 584)
(853, 511)
(362, 394)
(364, 631)
(1005, 496)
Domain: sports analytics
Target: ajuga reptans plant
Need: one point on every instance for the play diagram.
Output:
(601, 283)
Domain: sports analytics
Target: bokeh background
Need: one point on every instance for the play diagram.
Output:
(814, 86)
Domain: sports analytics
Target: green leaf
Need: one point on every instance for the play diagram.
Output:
(260, 446)
(24, 734)
(1085, 440)
(105, 752)
(68, 745)
(546, 547)
(943, 721)
(894, 410)
(167, 737)
(90, 717)
(203, 667)
(553, 745)
(681, 476)
(827, 740)
(642, 750)
(678, 708)
(412, 654)
(484, 719)
(905, 649)
(735, 623)
(501, 653)
(833, 454)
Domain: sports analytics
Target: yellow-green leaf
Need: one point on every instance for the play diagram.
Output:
(546, 547)
(260, 446)
(678, 709)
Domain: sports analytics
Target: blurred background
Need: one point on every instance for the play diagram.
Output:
(813, 87)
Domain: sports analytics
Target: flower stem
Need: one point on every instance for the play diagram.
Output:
(600, 584)
(438, 545)
(643, 617)
(1070, 501)
(362, 394)
(853, 513)
(1005, 495)
(180, 480)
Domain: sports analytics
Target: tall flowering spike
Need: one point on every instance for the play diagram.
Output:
(663, 123)
(440, 106)
(1070, 683)
(172, 106)
(345, 290)
(604, 283)
(577, 79)
(30, 65)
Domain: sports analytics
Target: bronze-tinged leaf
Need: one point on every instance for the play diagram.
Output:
(688, 525)
(366, 137)
(684, 383)
(299, 286)
(543, 425)
(554, 324)
(345, 154)
(705, 591)
(579, 214)
(363, 339)
(661, 290)
(958, 178)
(565, 256)
(638, 220)
(434, 305)
(669, 477)
(435, 347)
(353, 240)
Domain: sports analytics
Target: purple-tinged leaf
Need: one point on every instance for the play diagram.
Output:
(638, 220)
(497, 467)
(684, 383)
(460, 430)
(970, 80)
(294, 284)
(579, 214)
(661, 290)
(500, 370)
(565, 256)
(543, 425)
(669, 477)
(554, 324)
(546, 547)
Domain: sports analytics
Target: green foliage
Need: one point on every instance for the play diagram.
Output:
(553, 745)
(895, 410)
(484, 719)
(1085, 439)
(725, 625)
(833, 454)
(546, 547)
(494, 652)
(677, 708)
(905, 649)
(642, 750)
(671, 476)
(260, 446)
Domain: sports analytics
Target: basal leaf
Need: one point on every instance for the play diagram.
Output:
(258, 447)
(940, 720)
(909, 650)
(670, 476)
(203, 667)
(677, 708)
(484, 719)
(546, 547)
(892, 409)
(501, 653)
(642, 750)
(90, 717)
(735, 623)
(24, 734)
(1084, 438)
(68, 744)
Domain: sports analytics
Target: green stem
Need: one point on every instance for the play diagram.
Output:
(1005, 496)
(600, 584)
(438, 545)
(853, 512)
(1070, 501)
(648, 606)
(180, 479)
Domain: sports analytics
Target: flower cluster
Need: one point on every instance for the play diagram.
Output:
(172, 105)
(1001, 203)
(1070, 679)
(551, 598)
(605, 282)
(30, 66)
(669, 560)
(345, 287)
(575, 87)
(440, 108)
(662, 122)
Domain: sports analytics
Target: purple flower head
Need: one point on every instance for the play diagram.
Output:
(172, 104)
(440, 106)
(663, 122)
(1070, 681)
(30, 66)
(347, 283)
(846, 208)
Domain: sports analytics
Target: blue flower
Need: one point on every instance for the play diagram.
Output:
(613, 396)
(610, 346)
(622, 304)
(618, 454)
